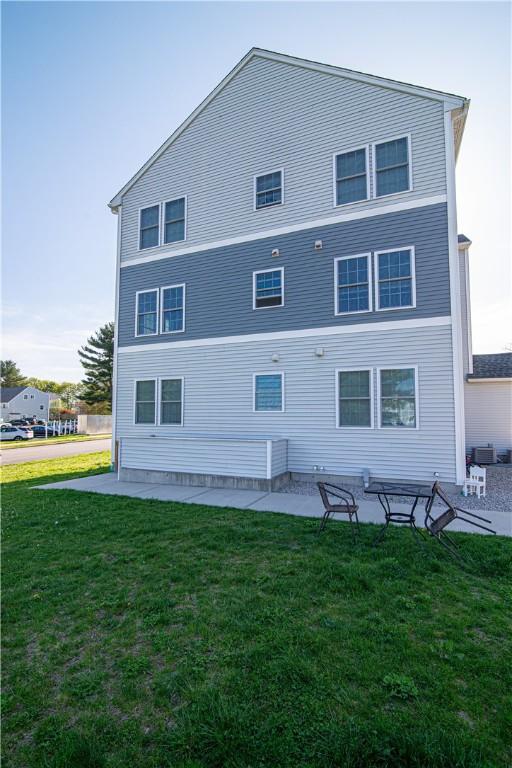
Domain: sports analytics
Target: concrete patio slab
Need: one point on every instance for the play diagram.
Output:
(258, 501)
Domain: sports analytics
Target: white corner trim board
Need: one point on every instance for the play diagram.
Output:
(331, 330)
(403, 205)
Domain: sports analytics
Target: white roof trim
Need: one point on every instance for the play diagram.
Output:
(451, 101)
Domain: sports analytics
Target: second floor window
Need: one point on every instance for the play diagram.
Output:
(173, 309)
(268, 189)
(268, 288)
(353, 292)
(351, 169)
(174, 220)
(395, 278)
(146, 323)
(392, 167)
(149, 235)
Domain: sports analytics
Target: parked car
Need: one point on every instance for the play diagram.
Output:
(28, 431)
(20, 423)
(40, 430)
(15, 433)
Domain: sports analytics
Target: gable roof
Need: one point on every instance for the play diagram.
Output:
(9, 393)
(451, 101)
(497, 366)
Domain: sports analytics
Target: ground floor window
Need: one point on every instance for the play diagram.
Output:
(268, 392)
(398, 397)
(145, 401)
(171, 401)
(354, 398)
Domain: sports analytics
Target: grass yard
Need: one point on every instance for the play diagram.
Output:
(157, 635)
(35, 441)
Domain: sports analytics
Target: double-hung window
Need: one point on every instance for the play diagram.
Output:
(398, 397)
(174, 220)
(146, 321)
(149, 229)
(268, 189)
(145, 401)
(268, 392)
(395, 278)
(392, 164)
(352, 275)
(354, 398)
(268, 288)
(173, 309)
(351, 176)
(171, 401)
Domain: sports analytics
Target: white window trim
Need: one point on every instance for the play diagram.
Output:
(161, 313)
(262, 272)
(374, 166)
(136, 381)
(268, 373)
(267, 173)
(137, 293)
(335, 203)
(410, 248)
(159, 409)
(372, 397)
(173, 200)
(368, 256)
(151, 247)
(416, 396)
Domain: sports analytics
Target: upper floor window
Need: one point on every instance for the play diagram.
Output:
(174, 220)
(171, 401)
(268, 189)
(398, 397)
(173, 309)
(351, 176)
(395, 278)
(268, 288)
(145, 401)
(149, 230)
(354, 401)
(146, 322)
(392, 166)
(353, 284)
(268, 392)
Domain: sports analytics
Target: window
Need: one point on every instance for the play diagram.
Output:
(395, 279)
(397, 397)
(25, 397)
(351, 176)
(268, 392)
(41, 407)
(174, 220)
(173, 309)
(392, 167)
(354, 401)
(352, 275)
(268, 288)
(171, 401)
(31, 397)
(268, 189)
(149, 230)
(145, 401)
(147, 313)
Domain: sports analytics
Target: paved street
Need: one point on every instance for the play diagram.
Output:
(39, 452)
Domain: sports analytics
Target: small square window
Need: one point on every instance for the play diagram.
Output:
(149, 231)
(268, 189)
(268, 288)
(268, 392)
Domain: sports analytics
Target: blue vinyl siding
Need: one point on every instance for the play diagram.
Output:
(220, 281)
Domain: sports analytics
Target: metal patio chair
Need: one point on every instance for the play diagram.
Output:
(436, 525)
(345, 504)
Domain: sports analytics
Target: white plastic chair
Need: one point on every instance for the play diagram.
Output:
(475, 483)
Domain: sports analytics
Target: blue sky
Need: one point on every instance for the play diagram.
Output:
(90, 90)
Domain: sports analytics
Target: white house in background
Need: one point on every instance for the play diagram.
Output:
(487, 379)
(25, 402)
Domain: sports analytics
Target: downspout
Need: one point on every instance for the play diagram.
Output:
(119, 212)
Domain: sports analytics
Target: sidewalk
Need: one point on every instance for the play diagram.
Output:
(260, 501)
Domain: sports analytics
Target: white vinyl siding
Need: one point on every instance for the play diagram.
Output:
(335, 113)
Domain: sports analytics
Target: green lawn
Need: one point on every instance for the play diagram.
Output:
(150, 635)
(49, 441)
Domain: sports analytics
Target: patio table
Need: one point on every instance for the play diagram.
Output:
(383, 491)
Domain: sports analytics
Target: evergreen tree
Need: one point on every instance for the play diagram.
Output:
(97, 358)
(10, 374)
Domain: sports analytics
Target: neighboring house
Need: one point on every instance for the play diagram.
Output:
(25, 402)
(288, 293)
(487, 379)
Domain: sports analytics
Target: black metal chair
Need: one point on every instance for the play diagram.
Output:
(436, 525)
(346, 505)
